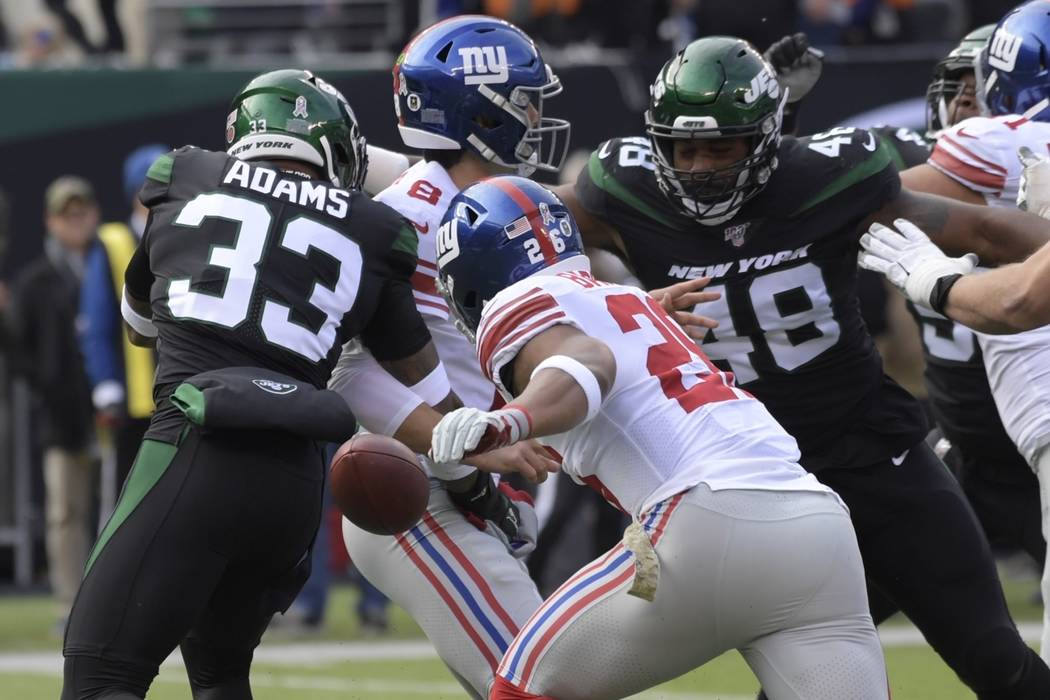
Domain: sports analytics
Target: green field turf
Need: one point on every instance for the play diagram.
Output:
(916, 673)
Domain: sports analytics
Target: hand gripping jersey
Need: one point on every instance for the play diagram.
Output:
(981, 154)
(245, 265)
(786, 265)
(422, 195)
(671, 420)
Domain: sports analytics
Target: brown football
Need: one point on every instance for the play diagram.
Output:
(378, 484)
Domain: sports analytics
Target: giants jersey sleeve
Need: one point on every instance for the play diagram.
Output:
(671, 420)
(981, 154)
(422, 195)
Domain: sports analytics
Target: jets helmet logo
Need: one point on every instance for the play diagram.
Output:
(484, 64)
(1003, 50)
(765, 83)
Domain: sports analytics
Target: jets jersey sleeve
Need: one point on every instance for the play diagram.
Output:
(671, 419)
(906, 147)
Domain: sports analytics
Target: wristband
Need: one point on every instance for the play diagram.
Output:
(434, 387)
(139, 323)
(581, 375)
(939, 293)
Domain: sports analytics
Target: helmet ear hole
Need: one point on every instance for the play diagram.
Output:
(470, 299)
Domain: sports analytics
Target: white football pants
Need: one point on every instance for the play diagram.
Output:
(461, 585)
(776, 575)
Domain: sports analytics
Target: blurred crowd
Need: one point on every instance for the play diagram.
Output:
(53, 35)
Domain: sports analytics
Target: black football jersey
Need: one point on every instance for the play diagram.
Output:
(246, 265)
(906, 147)
(790, 327)
(960, 398)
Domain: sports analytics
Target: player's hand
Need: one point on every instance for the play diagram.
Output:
(468, 430)
(798, 65)
(528, 458)
(1034, 193)
(910, 260)
(502, 511)
(680, 300)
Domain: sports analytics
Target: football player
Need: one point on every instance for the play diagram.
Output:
(710, 478)
(996, 478)
(713, 190)
(470, 93)
(255, 267)
(976, 161)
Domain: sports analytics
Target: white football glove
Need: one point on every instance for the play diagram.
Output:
(1034, 193)
(469, 430)
(910, 260)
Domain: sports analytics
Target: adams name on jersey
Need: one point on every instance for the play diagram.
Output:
(246, 265)
(789, 324)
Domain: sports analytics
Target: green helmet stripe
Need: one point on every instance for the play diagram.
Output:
(875, 163)
(605, 181)
(161, 169)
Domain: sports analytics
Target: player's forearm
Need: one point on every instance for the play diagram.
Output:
(1009, 299)
(558, 398)
(1010, 235)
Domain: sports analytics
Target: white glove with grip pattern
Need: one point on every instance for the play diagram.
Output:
(1034, 192)
(912, 262)
(469, 430)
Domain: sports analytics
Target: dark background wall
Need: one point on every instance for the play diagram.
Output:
(86, 122)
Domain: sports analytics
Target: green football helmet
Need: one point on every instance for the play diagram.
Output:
(293, 114)
(947, 81)
(715, 88)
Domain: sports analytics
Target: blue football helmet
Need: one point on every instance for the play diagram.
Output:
(1013, 75)
(479, 83)
(497, 232)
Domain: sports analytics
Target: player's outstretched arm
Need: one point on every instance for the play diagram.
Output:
(996, 234)
(1006, 300)
(1010, 299)
(559, 379)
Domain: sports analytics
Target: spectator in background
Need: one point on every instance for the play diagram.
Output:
(114, 42)
(44, 310)
(40, 44)
(120, 373)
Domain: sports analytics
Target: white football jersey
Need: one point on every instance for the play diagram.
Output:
(671, 420)
(981, 153)
(422, 195)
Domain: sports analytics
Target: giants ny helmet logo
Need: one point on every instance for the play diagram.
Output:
(484, 64)
(1003, 49)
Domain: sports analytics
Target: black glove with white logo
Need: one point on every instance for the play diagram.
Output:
(501, 511)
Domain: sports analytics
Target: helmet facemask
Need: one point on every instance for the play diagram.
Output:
(713, 196)
(544, 142)
(949, 86)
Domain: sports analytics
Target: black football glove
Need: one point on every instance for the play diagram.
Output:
(798, 65)
(499, 510)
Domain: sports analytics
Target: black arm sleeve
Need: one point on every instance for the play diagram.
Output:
(138, 278)
(396, 329)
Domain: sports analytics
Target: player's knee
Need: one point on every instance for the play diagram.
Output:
(503, 689)
(95, 678)
(995, 660)
(217, 673)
